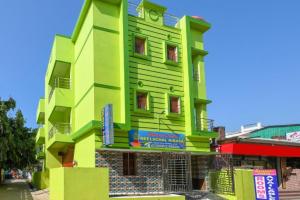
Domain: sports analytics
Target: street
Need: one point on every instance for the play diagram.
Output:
(15, 190)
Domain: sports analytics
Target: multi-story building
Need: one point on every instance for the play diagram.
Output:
(147, 64)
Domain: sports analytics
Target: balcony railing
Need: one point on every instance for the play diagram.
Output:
(62, 128)
(40, 148)
(204, 124)
(59, 82)
(169, 19)
(133, 9)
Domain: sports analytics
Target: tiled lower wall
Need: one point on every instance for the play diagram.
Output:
(149, 173)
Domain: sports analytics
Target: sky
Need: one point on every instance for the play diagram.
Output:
(252, 70)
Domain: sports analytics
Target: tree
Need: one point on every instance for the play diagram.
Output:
(17, 142)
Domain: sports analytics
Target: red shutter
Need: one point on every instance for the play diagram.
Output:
(175, 105)
(140, 46)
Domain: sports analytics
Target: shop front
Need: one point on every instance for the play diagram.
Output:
(155, 163)
(284, 156)
(142, 172)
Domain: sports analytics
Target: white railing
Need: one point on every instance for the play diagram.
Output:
(59, 82)
(62, 128)
(204, 124)
(169, 19)
(133, 9)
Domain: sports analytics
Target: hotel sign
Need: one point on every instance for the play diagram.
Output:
(293, 137)
(108, 125)
(265, 183)
(148, 139)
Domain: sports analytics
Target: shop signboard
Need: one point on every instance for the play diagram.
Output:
(108, 125)
(293, 136)
(148, 139)
(265, 183)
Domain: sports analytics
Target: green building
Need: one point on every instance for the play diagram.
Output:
(147, 64)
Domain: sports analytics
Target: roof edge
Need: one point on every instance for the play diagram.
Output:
(80, 20)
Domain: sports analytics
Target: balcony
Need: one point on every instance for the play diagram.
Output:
(59, 136)
(60, 98)
(204, 124)
(40, 113)
(61, 58)
(40, 152)
(40, 136)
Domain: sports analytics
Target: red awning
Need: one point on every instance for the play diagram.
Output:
(252, 149)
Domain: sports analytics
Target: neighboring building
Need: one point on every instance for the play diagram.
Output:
(245, 129)
(149, 66)
(271, 147)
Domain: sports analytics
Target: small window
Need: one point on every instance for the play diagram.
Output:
(140, 45)
(174, 105)
(172, 53)
(129, 164)
(141, 99)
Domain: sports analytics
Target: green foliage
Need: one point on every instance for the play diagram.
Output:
(17, 142)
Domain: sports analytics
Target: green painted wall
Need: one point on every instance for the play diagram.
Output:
(84, 153)
(65, 184)
(41, 180)
(222, 182)
(243, 187)
(244, 184)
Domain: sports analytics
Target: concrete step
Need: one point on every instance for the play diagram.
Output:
(289, 195)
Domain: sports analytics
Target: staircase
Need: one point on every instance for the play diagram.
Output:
(289, 195)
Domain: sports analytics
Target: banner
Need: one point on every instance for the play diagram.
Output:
(265, 183)
(108, 125)
(150, 139)
(293, 137)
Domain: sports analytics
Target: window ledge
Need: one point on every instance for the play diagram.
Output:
(173, 115)
(170, 62)
(140, 111)
(137, 55)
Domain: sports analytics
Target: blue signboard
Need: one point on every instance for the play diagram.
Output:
(265, 183)
(108, 125)
(148, 139)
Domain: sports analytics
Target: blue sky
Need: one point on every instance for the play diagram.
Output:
(253, 69)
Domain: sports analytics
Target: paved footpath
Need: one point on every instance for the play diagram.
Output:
(15, 190)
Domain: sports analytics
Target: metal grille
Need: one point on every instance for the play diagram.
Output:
(222, 174)
(177, 172)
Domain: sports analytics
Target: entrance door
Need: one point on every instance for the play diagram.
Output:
(177, 172)
(200, 165)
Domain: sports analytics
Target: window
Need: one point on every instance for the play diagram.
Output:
(129, 164)
(141, 100)
(140, 45)
(172, 53)
(174, 105)
(198, 116)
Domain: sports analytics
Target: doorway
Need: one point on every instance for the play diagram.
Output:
(177, 172)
